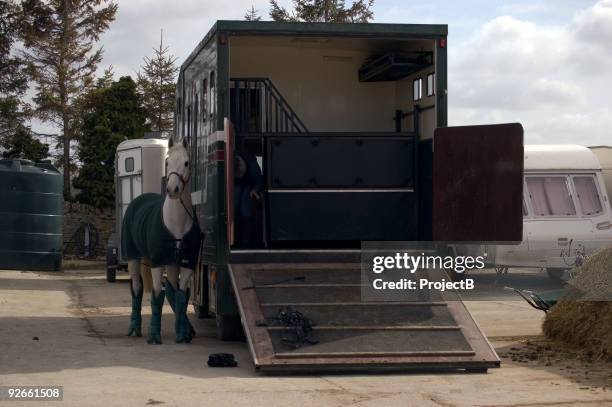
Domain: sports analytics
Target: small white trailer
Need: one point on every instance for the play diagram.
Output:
(139, 168)
(566, 211)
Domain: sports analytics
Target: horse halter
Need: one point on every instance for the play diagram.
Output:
(184, 182)
(180, 177)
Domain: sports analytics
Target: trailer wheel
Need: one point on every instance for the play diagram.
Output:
(555, 274)
(229, 328)
(112, 263)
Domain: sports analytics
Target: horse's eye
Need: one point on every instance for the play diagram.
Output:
(186, 163)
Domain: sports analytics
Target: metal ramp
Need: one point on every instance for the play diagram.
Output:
(352, 335)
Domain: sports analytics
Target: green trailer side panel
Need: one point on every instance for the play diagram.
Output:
(30, 216)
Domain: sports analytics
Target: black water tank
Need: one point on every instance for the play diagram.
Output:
(31, 208)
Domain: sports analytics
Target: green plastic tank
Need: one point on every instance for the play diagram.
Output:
(31, 210)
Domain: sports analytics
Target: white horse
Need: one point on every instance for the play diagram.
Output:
(165, 233)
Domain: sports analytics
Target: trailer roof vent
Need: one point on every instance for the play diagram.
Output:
(394, 66)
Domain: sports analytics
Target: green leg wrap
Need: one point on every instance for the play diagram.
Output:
(181, 325)
(170, 290)
(156, 313)
(136, 317)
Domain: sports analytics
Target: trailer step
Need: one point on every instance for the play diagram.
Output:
(350, 334)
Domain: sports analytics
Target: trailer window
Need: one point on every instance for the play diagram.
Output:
(212, 93)
(550, 196)
(431, 82)
(417, 88)
(588, 196)
(129, 164)
(204, 100)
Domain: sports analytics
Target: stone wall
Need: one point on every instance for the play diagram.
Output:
(78, 218)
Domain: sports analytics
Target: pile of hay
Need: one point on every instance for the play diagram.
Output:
(586, 323)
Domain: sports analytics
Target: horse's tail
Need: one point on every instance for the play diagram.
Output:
(147, 279)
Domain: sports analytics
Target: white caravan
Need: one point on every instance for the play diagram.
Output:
(566, 211)
(139, 168)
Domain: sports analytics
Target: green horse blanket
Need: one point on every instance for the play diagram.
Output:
(144, 235)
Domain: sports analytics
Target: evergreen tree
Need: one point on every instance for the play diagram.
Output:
(16, 139)
(156, 85)
(112, 113)
(331, 11)
(59, 38)
(252, 14)
(21, 143)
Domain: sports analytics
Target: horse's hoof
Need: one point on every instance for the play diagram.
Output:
(135, 332)
(154, 341)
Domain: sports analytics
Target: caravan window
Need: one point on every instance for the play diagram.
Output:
(588, 196)
(550, 196)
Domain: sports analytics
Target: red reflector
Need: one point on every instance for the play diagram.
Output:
(442, 42)
(222, 39)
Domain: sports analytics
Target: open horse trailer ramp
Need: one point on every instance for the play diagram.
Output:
(351, 334)
(313, 138)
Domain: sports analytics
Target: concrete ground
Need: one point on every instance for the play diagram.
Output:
(68, 329)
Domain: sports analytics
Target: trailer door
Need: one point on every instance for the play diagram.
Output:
(129, 172)
(478, 183)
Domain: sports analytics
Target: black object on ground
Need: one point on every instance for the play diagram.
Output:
(221, 360)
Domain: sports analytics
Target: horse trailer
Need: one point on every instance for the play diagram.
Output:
(566, 211)
(347, 124)
(139, 168)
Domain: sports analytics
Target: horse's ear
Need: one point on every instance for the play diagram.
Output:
(185, 143)
(170, 141)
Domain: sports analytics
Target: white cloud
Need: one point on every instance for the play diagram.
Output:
(554, 80)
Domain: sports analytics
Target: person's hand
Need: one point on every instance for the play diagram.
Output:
(255, 195)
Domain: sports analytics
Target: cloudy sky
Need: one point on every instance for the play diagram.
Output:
(546, 64)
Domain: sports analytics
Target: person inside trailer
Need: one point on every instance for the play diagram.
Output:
(248, 185)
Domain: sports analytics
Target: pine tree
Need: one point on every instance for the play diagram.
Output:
(22, 143)
(156, 86)
(16, 138)
(112, 113)
(332, 11)
(60, 38)
(252, 14)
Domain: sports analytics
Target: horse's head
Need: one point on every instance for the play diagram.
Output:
(177, 168)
